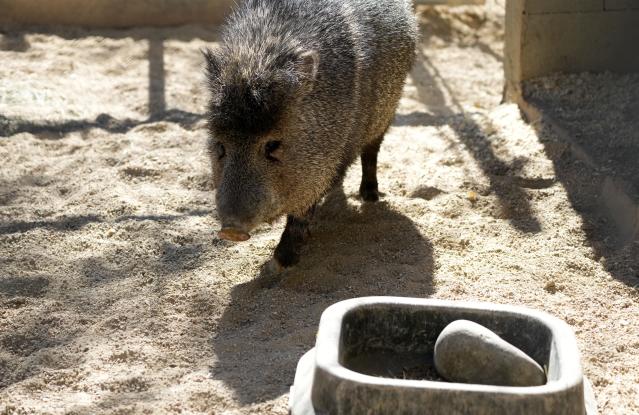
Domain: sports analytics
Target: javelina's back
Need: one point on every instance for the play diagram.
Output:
(386, 35)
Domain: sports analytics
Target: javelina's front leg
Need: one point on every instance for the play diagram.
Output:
(368, 189)
(288, 250)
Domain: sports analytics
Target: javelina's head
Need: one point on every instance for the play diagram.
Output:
(255, 129)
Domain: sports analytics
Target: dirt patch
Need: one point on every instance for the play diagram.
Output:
(134, 306)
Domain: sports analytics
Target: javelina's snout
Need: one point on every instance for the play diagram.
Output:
(234, 234)
(237, 218)
(240, 203)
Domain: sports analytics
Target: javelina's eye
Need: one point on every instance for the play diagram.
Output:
(271, 148)
(219, 150)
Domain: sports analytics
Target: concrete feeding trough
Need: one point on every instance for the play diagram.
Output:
(374, 355)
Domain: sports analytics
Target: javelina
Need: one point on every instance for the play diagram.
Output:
(299, 89)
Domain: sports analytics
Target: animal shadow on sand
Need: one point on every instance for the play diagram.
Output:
(354, 250)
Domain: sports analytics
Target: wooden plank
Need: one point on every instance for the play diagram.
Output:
(113, 13)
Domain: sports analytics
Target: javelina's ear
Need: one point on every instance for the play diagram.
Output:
(213, 64)
(306, 66)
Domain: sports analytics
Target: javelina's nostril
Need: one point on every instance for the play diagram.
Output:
(233, 234)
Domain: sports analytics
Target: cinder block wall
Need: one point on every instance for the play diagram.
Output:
(546, 36)
(126, 13)
(113, 13)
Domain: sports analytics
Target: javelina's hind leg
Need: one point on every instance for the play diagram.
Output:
(295, 234)
(368, 189)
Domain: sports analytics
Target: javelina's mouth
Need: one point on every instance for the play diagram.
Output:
(233, 234)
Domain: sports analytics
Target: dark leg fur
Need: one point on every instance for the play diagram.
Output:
(288, 250)
(368, 189)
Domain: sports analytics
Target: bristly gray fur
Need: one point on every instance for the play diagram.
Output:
(323, 77)
(255, 70)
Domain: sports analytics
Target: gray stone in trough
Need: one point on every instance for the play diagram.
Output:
(467, 352)
(357, 365)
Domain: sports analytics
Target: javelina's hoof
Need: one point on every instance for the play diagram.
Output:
(270, 274)
(469, 353)
(232, 234)
(273, 267)
(369, 194)
(286, 256)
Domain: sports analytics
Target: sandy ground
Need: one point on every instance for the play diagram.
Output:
(601, 111)
(116, 297)
(598, 117)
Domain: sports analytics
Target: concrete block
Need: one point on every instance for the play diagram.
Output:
(621, 5)
(556, 39)
(579, 42)
(563, 6)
